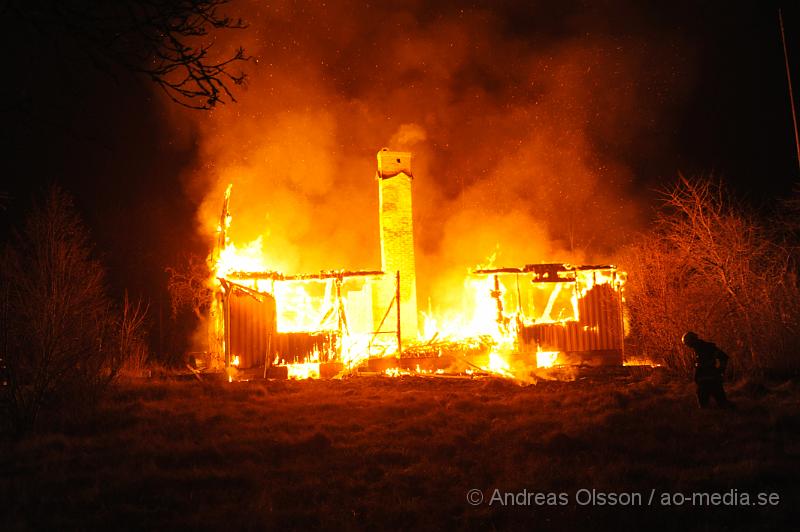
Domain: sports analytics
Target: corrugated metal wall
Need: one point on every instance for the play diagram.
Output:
(250, 327)
(599, 328)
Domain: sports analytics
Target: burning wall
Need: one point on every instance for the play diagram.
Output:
(250, 324)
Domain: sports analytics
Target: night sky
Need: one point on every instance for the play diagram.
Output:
(701, 89)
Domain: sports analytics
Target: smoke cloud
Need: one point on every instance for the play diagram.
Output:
(521, 120)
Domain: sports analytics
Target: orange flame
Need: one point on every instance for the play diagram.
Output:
(490, 309)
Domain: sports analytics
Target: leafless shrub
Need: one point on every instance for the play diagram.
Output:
(710, 266)
(63, 341)
(132, 349)
(188, 286)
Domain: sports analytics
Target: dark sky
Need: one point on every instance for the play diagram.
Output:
(737, 122)
(711, 76)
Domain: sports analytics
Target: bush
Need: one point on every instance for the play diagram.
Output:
(63, 341)
(710, 266)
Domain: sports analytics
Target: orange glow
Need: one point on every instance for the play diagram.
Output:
(537, 178)
(641, 361)
(247, 258)
(495, 308)
(498, 365)
(306, 370)
(546, 359)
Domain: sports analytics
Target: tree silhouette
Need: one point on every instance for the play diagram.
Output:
(189, 287)
(63, 342)
(168, 41)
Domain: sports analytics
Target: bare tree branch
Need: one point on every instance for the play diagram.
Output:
(189, 288)
(168, 41)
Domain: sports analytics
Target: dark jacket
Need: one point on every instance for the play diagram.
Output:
(711, 360)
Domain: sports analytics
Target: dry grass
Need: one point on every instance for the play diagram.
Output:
(402, 453)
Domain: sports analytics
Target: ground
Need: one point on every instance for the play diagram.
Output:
(381, 452)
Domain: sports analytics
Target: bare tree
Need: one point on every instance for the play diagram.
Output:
(189, 288)
(131, 351)
(61, 342)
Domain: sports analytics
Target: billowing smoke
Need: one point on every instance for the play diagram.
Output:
(520, 120)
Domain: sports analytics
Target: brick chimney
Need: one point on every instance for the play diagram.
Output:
(397, 240)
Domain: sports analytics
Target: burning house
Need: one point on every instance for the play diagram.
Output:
(321, 324)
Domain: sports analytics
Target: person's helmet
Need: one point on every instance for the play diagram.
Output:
(689, 338)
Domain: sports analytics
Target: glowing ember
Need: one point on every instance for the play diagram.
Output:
(398, 372)
(303, 370)
(546, 359)
(498, 365)
(641, 361)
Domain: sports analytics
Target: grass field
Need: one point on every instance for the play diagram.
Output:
(403, 452)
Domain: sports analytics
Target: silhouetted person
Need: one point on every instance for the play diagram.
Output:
(710, 366)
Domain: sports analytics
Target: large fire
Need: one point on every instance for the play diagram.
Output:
(510, 322)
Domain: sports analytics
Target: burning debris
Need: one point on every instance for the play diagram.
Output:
(320, 325)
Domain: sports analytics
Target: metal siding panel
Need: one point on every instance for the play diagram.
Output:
(234, 324)
(247, 336)
(250, 323)
(602, 321)
(597, 332)
(574, 337)
(236, 320)
(586, 317)
(252, 332)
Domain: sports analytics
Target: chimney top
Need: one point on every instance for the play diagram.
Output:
(391, 163)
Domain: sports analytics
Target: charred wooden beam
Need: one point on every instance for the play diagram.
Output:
(224, 222)
(277, 276)
(546, 273)
(492, 271)
(229, 286)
